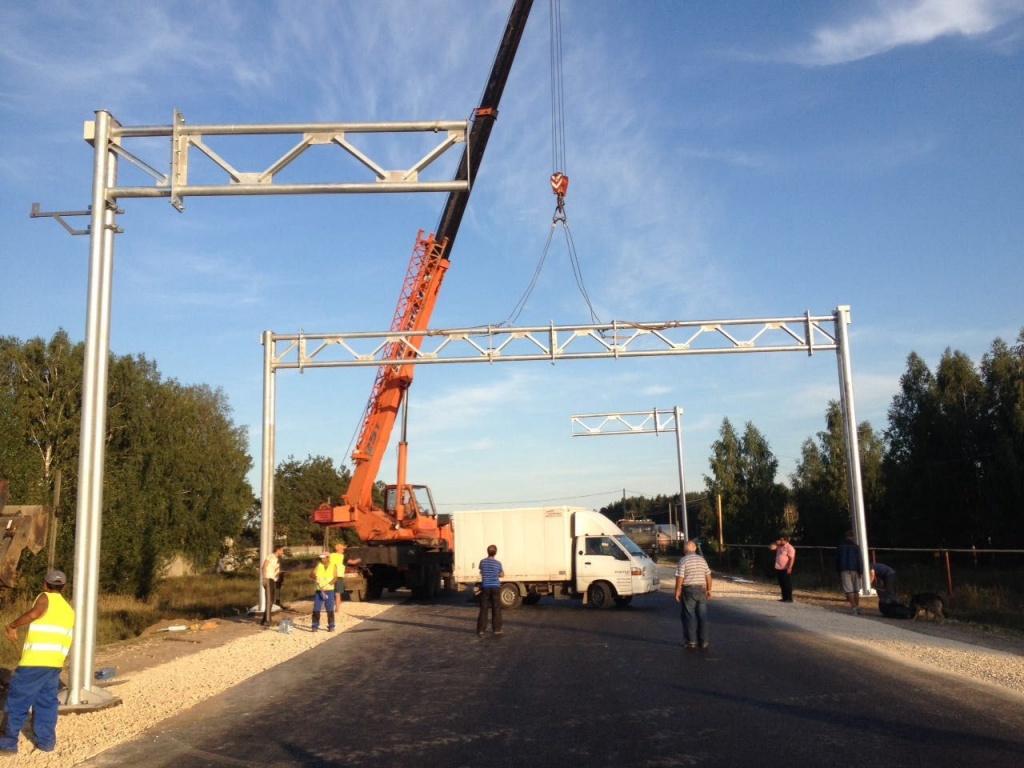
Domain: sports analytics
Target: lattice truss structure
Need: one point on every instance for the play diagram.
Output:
(630, 423)
(618, 339)
(190, 143)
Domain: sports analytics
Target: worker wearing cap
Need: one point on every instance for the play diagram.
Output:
(35, 682)
(338, 562)
(323, 600)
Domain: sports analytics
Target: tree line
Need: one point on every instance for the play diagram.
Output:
(175, 470)
(947, 471)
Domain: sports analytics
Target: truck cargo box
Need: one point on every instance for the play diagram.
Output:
(534, 543)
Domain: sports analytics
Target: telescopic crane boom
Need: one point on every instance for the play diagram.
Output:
(409, 515)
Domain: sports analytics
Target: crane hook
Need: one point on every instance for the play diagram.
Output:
(559, 186)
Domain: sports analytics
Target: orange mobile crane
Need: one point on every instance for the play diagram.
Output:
(407, 544)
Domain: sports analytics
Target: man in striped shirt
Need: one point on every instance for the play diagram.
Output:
(491, 574)
(693, 590)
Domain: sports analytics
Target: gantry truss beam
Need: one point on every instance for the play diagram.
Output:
(632, 423)
(640, 423)
(618, 339)
(175, 184)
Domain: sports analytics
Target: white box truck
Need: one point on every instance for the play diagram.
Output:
(563, 552)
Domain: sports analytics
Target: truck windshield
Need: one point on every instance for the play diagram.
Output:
(629, 545)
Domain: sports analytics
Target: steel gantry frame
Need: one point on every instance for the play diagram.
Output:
(108, 138)
(553, 343)
(495, 344)
(652, 422)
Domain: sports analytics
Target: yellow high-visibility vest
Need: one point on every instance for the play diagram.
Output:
(337, 561)
(324, 576)
(49, 637)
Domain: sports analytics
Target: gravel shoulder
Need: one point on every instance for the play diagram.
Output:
(167, 672)
(987, 656)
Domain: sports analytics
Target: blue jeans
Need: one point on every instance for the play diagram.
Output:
(695, 615)
(32, 688)
(323, 600)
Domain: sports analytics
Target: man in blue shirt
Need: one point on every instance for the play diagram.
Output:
(491, 574)
(885, 577)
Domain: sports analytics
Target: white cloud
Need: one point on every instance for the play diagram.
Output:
(895, 23)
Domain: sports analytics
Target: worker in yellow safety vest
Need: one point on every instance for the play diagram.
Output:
(35, 682)
(338, 561)
(324, 575)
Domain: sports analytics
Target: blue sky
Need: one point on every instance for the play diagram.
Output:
(727, 160)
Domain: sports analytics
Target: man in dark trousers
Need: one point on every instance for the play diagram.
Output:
(785, 556)
(271, 577)
(35, 682)
(491, 574)
(693, 590)
(885, 579)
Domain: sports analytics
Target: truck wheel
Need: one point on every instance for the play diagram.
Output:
(601, 595)
(623, 601)
(374, 589)
(432, 587)
(355, 588)
(510, 597)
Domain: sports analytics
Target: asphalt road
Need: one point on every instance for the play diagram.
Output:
(571, 686)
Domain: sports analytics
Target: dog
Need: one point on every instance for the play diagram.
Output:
(928, 604)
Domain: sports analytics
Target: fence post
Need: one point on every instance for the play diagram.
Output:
(949, 576)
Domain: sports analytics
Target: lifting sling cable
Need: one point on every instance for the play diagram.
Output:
(559, 179)
(557, 102)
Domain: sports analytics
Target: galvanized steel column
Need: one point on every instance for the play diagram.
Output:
(94, 418)
(267, 482)
(853, 472)
(682, 476)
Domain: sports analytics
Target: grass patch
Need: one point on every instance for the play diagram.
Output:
(189, 598)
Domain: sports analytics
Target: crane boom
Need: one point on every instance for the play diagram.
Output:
(407, 517)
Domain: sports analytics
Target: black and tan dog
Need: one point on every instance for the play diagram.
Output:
(928, 604)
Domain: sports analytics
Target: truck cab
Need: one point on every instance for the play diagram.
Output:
(610, 567)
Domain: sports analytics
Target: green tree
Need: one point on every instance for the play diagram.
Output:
(175, 466)
(40, 412)
(176, 469)
(1002, 370)
(299, 488)
(726, 480)
(743, 474)
(821, 480)
(961, 441)
(910, 453)
(939, 457)
(767, 498)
